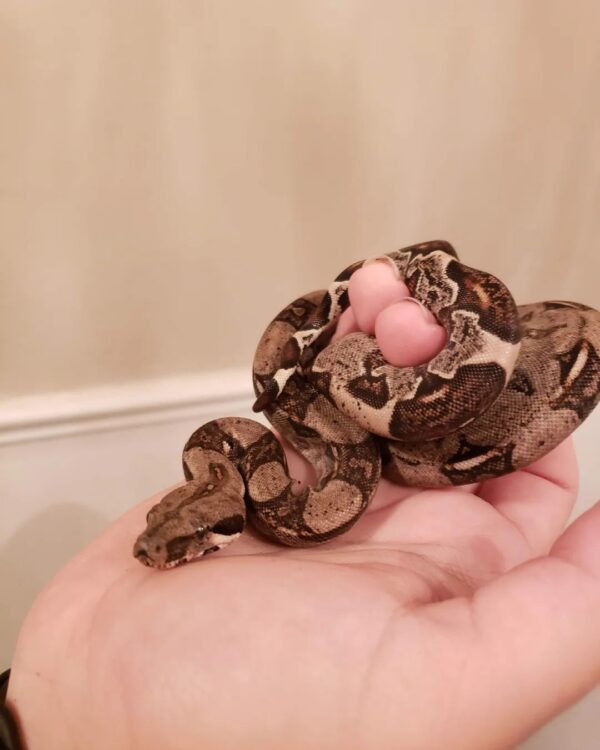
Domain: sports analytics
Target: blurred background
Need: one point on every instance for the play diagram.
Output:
(173, 172)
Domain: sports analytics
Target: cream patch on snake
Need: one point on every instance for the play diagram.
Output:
(325, 514)
(268, 481)
(433, 288)
(574, 370)
(472, 344)
(510, 384)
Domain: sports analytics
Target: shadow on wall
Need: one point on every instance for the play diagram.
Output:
(36, 547)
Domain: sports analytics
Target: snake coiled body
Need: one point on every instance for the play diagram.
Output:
(509, 385)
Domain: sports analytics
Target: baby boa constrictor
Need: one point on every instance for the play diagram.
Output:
(510, 384)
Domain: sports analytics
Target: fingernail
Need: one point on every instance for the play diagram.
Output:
(387, 261)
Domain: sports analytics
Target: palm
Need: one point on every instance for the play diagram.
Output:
(302, 648)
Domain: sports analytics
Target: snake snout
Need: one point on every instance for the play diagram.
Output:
(140, 551)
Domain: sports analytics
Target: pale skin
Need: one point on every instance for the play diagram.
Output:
(458, 619)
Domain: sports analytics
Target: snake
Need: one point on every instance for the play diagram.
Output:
(509, 385)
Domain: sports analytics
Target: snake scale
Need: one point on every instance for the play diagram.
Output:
(509, 385)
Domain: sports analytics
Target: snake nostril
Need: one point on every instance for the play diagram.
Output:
(141, 552)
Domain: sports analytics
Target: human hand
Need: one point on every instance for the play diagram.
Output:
(456, 618)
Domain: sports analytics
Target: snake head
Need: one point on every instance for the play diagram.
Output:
(188, 523)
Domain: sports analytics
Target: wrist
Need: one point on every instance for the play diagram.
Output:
(9, 733)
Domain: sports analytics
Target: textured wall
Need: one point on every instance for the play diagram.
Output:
(173, 172)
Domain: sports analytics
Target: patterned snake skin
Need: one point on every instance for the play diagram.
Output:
(510, 384)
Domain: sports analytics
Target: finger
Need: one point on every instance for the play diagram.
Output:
(522, 648)
(387, 493)
(346, 324)
(371, 289)
(538, 499)
(407, 333)
(539, 647)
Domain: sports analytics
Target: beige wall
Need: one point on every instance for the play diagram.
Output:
(171, 173)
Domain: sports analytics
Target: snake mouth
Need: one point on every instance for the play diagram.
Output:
(149, 563)
(143, 557)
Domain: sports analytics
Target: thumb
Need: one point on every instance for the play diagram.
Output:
(537, 635)
(500, 664)
(539, 627)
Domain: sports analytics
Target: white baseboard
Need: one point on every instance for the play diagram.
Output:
(133, 404)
